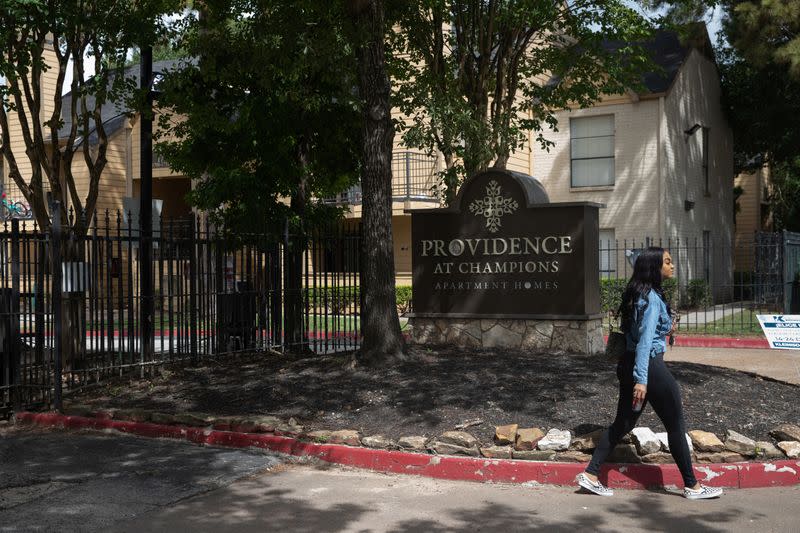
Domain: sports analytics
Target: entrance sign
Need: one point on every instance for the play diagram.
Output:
(782, 331)
(503, 251)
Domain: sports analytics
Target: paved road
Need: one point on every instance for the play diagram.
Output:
(87, 482)
(58, 481)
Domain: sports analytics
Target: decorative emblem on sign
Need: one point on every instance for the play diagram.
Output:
(493, 206)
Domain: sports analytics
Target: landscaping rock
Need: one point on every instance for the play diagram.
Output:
(321, 436)
(534, 455)
(527, 438)
(446, 448)
(720, 457)
(556, 439)
(413, 443)
(786, 432)
(458, 438)
(704, 441)
(586, 442)
(267, 424)
(132, 415)
(790, 447)
(767, 450)
(379, 442)
(662, 437)
(645, 441)
(506, 434)
(244, 425)
(736, 442)
(191, 419)
(624, 453)
(162, 418)
(658, 458)
(573, 456)
(291, 427)
(497, 452)
(348, 437)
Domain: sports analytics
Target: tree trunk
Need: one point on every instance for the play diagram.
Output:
(294, 247)
(383, 342)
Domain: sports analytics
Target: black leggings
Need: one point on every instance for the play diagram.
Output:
(664, 395)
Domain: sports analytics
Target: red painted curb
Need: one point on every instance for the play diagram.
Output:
(718, 342)
(624, 476)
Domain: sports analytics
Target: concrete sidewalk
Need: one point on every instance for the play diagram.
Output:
(783, 365)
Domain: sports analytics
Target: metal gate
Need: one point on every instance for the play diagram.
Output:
(70, 305)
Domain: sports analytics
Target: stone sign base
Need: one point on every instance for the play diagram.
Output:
(551, 336)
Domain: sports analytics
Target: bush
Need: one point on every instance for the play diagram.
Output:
(611, 294)
(698, 293)
(403, 298)
(335, 299)
(671, 292)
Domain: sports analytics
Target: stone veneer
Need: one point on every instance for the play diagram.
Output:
(553, 336)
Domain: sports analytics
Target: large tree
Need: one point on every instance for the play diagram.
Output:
(37, 36)
(476, 76)
(383, 342)
(265, 112)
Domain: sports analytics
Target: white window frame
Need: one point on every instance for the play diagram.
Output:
(609, 158)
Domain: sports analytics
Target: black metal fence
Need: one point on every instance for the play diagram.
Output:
(718, 288)
(70, 306)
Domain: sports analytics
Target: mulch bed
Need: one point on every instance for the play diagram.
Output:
(440, 390)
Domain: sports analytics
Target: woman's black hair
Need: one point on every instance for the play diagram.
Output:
(646, 277)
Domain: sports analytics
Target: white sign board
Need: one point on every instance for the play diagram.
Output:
(782, 331)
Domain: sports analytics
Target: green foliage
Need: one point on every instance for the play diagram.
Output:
(267, 113)
(42, 41)
(469, 73)
(333, 300)
(698, 294)
(403, 298)
(611, 294)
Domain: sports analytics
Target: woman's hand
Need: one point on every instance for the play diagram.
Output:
(675, 323)
(639, 392)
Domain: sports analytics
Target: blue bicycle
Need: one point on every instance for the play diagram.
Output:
(9, 209)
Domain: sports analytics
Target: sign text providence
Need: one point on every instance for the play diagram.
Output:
(497, 253)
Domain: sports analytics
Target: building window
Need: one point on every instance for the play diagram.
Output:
(706, 132)
(608, 253)
(592, 151)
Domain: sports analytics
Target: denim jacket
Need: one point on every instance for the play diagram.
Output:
(647, 336)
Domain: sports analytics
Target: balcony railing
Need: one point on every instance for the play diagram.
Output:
(413, 178)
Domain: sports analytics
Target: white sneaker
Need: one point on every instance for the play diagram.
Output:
(593, 486)
(703, 493)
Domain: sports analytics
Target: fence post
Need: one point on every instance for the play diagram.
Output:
(56, 303)
(193, 292)
(16, 340)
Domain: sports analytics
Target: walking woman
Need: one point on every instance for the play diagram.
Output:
(643, 376)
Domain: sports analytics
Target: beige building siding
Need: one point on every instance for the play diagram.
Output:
(632, 203)
(695, 99)
(753, 215)
(48, 88)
